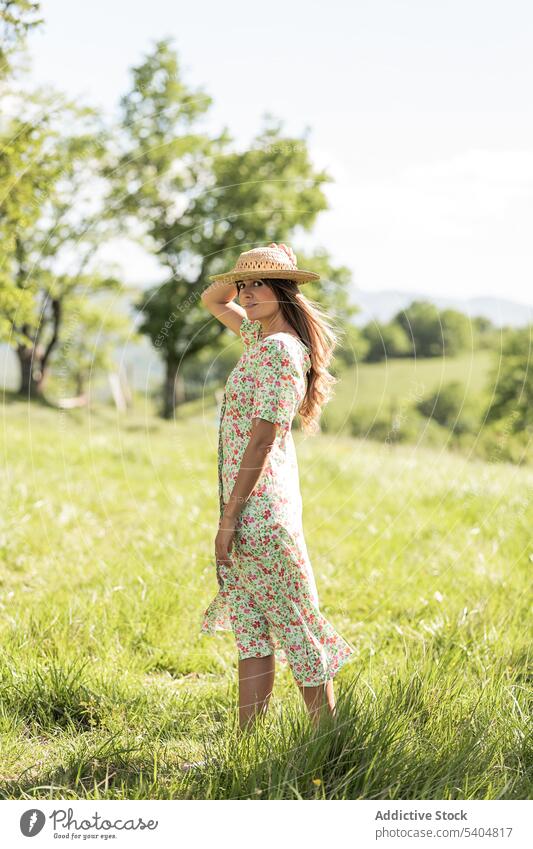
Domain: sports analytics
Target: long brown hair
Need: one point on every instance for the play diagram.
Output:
(312, 325)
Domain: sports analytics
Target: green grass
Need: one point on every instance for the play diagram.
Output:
(395, 383)
(107, 526)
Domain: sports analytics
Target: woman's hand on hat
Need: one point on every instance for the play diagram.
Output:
(289, 251)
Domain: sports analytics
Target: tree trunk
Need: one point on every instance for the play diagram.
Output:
(180, 389)
(29, 385)
(33, 359)
(41, 380)
(169, 390)
(80, 384)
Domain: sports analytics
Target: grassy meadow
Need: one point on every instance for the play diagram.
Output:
(107, 524)
(376, 386)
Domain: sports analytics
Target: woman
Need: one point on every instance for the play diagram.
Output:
(267, 593)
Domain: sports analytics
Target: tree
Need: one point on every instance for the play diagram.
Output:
(20, 185)
(485, 333)
(434, 333)
(17, 18)
(52, 225)
(200, 204)
(95, 329)
(353, 346)
(385, 340)
(28, 171)
(450, 407)
(512, 380)
(421, 323)
(456, 332)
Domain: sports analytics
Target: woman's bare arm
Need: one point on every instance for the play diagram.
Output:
(252, 466)
(218, 299)
(253, 463)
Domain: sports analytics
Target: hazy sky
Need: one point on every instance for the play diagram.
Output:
(420, 110)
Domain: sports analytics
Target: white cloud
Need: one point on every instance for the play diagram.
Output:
(460, 225)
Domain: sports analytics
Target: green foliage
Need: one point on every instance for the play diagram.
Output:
(484, 333)
(422, 330)
(385, 341)
(379, 402)
(420, 321)
(158, 155)
(51, 221)
(396, 424)
(187, 191)
(352, 347)
(93, 331)
(512, 377)
(29, 170)
(498, 443)
(456, 332)
(449, 407)
(17, 18)
(433, 332)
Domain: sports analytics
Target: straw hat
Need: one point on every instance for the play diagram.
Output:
(265, 263)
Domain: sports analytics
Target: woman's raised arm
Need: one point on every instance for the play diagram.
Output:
(218, 299)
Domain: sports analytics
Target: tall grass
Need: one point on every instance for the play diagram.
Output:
(108, 689)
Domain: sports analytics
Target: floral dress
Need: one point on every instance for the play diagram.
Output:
(267, 595)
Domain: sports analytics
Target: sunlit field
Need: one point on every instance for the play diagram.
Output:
(108, 690)
(377, 385)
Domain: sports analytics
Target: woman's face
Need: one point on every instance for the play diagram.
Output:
(257, 298)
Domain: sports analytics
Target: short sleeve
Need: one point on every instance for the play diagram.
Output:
(249, 331)
(277, 384)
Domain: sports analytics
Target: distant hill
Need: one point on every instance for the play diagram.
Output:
(385, 303)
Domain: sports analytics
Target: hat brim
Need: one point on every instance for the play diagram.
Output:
(299, 276)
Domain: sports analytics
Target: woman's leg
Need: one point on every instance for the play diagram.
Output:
(256, 682)
(318, 698)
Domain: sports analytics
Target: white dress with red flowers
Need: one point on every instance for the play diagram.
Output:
(267, 596)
